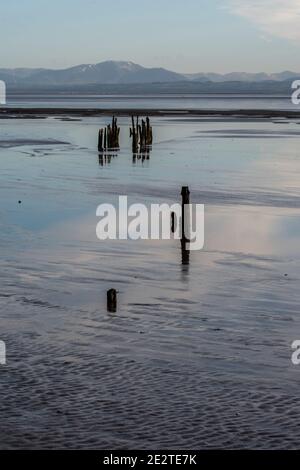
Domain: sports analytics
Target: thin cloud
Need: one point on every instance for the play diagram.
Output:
(275, 17)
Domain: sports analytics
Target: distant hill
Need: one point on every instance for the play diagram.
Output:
(122, 77)
(243, 77)
(109, 72)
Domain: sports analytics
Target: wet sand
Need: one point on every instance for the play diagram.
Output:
(9, 143)
(197, 356)
(36, 113)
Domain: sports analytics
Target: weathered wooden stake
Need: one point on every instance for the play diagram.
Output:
(173, 222)
(185, 253)
(149, 136)
(112, 300)
(133, 134)
(185, 194)
(100, 140)
(105, 138)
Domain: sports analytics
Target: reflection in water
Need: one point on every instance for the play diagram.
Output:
(105, 158)
(142, 154)
(185, 253)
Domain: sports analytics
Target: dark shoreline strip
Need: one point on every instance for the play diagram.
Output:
(34, 113)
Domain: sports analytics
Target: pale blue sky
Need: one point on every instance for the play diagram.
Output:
(185, 36)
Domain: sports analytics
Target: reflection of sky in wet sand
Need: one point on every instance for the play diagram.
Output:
(221, 329)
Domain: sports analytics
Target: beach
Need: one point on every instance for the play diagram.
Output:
(196, 356)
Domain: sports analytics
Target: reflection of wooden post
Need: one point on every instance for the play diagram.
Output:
(185, 253)
(112, 300)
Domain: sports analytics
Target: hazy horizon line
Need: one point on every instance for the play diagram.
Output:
(146, 67)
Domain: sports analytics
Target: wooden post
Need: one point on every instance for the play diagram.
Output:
(173, 222)
(113, 126)
(112, 300)
(140, 135)
(109, 131)
(148, 132)
(105, 139)
(185, 194)
(118, 137)
(143, 141)
(185, 254)
(147, 126)
(100, 140)
(134, 134)
(114, 133)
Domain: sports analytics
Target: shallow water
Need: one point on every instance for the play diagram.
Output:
(158, 101)
(197, 356)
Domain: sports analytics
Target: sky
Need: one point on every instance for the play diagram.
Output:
(185, 36)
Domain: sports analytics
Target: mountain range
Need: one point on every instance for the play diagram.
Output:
(125, 73)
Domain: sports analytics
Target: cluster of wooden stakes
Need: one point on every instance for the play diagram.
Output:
(108, 138)
(140, 132)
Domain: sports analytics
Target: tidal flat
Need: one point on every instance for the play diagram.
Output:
(197, 356)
